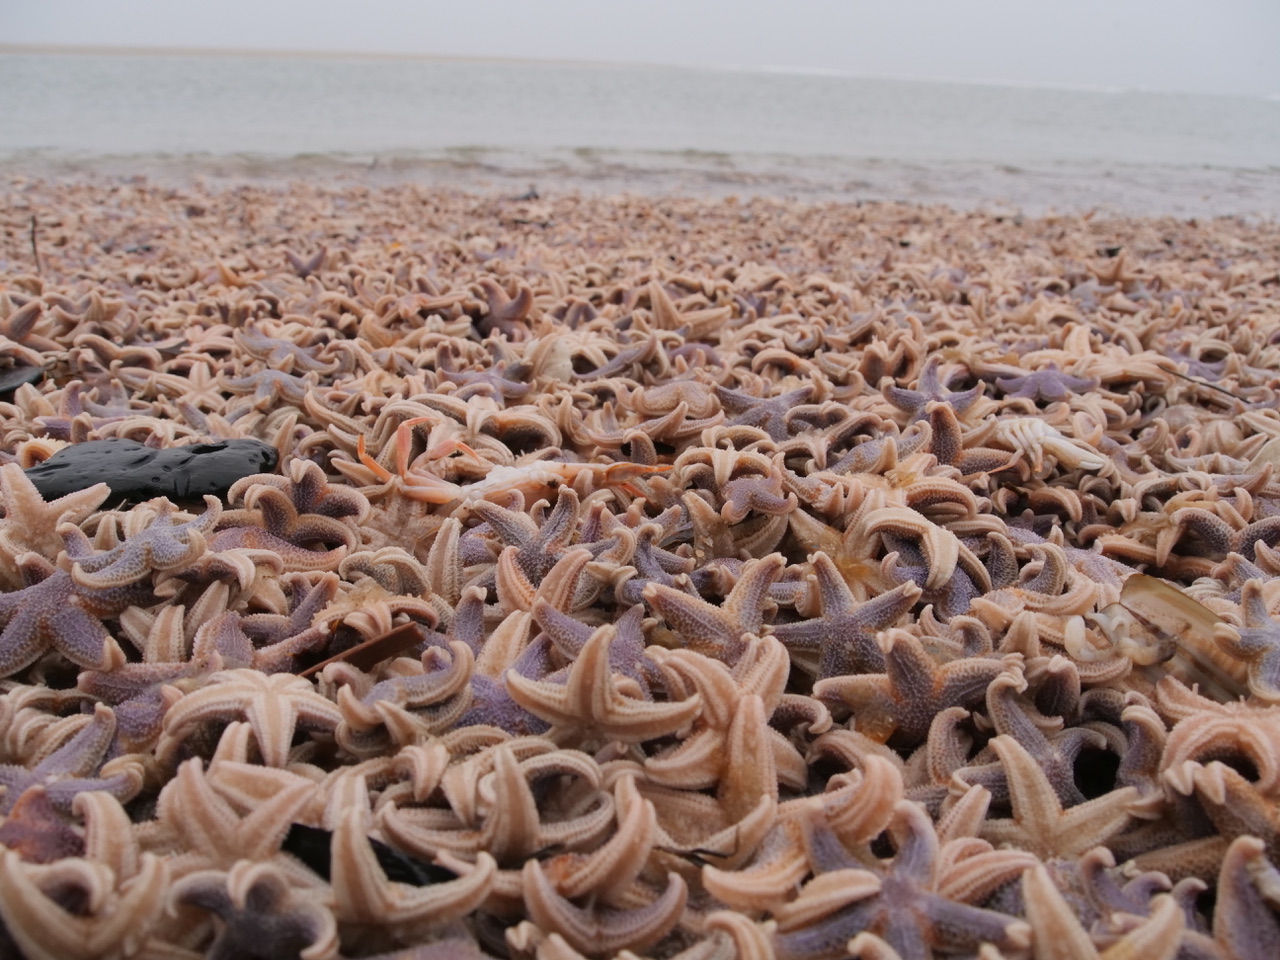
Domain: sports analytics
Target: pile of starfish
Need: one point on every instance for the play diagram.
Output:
(641, 578)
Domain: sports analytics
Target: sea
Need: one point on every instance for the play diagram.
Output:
(503, 125)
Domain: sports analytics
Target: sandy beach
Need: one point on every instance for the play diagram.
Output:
(641, 576)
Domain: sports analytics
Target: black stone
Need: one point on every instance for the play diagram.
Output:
(136, 472)
(311, 845)
(12, 378)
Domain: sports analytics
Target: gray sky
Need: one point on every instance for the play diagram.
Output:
(1197, 46)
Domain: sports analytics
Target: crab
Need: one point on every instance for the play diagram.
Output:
(530, 478)
(1033, 439)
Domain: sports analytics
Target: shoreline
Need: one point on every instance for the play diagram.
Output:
(1142, 190)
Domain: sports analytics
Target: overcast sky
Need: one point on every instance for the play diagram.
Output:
(1197, 46)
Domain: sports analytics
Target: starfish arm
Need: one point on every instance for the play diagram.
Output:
(1039, 822)
(1245, 922)
(591, 703)
(115, 922)
(602, 930)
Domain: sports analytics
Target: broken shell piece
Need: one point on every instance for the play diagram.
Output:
(1169, 615)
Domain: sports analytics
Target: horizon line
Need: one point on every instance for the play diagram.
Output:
(73, 49)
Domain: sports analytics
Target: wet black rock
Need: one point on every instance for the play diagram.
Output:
(312, 846)
(136, 472)
(11, 378)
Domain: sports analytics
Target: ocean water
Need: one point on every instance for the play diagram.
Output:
(499, 124)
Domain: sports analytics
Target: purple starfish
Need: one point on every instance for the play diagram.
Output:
(768, 414)
(69, 769)
(54, 611)
(901, 906)
(1048, 384)
(842, 640)
(930, 387)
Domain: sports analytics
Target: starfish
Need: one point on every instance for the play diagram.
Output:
(1144, 734)
(761, 495)
(901, 703)
(719, 630)
(203, 388)
(938, 548)
(273, 705)
(769, 879)
(770, 415)
(880, 454)
(491, 702)
(590, 706)
(160, 545)
(30, 523)
(947, 443)
(626, 654)
(276, 640)
(695, 324)
(954, 597)
(715, 539)
(142, 693)
(271, 387)
(1212, 536)
(842, 640)
(274, 510)
(498, 380)
(539, 545)
(393, 569)
(52, 610)
(731, 825)
(304, 268)
(259, 914)
(19, 327)
(1058, 934)
(367, 707)
(1253, 538)
(279, 354)
(609, 871)
(1257, 643)
(77, 909)
(1039, 822)
(69, 770)
(623, 362)
(293, 557)
(1048, 384)
(506, 314)
(492, 705)
(217, 833)
(1054, 758)
(651, 564)
(1235, 805)
(945, 750)
(602, 931)
(896, 902)
(930, 388)
(508, 821)
(702, 757)
(77, 414)
(364, 896)
(566, 586)
(1246, 925)
(309, 490)
(1218, 731)
(37, 832)
(1108, 900)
